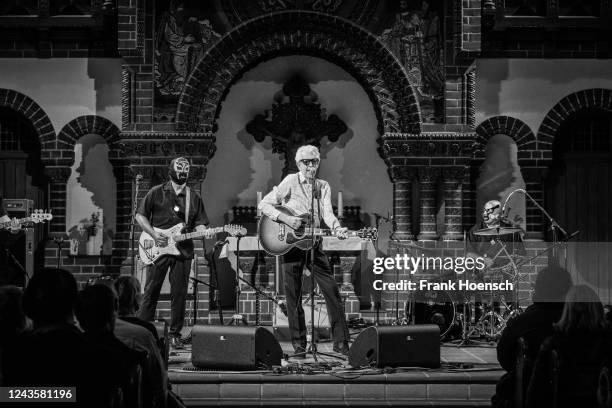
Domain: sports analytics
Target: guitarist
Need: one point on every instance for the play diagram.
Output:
(163, 207)
(294, 192)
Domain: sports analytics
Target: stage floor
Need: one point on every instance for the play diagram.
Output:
(466, 378)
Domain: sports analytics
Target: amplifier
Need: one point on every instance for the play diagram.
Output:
(18, 248)
(18, 207)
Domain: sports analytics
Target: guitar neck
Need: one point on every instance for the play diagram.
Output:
(8, 224)
(328, 232)
(197, 234)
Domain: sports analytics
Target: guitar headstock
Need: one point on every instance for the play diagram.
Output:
(40, 216)
(235, 230)
(368, 233)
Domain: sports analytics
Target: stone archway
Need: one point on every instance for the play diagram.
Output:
(527, 158)
(518, 130)
(573, 103)
(34, 113)
(304, 33)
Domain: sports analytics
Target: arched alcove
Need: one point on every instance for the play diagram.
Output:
(253, 167)
(500, 175)
(91, 197)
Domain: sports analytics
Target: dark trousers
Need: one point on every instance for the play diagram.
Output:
(179, 282)
(293, 265)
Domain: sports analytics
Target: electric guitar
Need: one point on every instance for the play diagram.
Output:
(36, 217)
(150, 252)
(277, 238)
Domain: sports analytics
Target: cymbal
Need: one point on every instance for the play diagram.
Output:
(496, 231)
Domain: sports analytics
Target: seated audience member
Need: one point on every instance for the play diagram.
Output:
(56, 352)
(608, 313)
(97, 312)
(12, 320)
(139, 338)
(581, 340)
(535, 324)
(128, 291)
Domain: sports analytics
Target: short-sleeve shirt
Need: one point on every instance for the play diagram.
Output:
(164, 209)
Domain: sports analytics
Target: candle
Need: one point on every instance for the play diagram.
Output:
(258, 201)
(340, 205)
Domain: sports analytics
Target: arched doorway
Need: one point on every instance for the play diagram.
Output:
(500, 175)
(578, 194)
(21, 177)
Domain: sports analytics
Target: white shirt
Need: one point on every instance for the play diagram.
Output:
(295, 192)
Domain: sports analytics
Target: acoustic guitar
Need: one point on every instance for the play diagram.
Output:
(277, 238)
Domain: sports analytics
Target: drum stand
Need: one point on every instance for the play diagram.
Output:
(492, 314)
(468, 327)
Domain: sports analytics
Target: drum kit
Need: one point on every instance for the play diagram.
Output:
(464, 315)
(468, 314)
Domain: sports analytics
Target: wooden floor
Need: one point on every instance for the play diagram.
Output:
(466, 378)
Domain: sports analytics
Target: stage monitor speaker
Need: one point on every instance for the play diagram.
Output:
(234, 347)
(397, 346)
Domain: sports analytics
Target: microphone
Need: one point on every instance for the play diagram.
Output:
(316, 189)
(504, 214)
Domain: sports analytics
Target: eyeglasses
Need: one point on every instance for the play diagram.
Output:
(491, 210)
(309, 162)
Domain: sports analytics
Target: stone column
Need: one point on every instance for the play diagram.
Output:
(453, 195)
(427, 186)
(402, 202)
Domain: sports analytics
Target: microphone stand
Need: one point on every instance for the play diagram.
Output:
(195, 307)
(237, 318)
(313, 334)
(132, 222)
(554, 225)
(379, 219)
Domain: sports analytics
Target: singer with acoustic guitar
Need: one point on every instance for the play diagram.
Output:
(295, 193)
(164, 207)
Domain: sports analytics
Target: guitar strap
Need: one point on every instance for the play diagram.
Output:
(187, 202)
